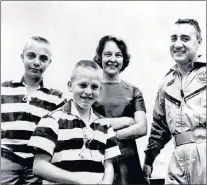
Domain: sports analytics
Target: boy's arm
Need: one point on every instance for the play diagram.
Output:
(111, 152)
(42, 167)
(44, 141)
(108, 172)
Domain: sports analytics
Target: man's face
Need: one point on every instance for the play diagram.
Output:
(36, 58)
(184, 43)
(85, 87)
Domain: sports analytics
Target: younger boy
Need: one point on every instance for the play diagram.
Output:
(73, 145)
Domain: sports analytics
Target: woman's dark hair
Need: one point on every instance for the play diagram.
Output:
(121, 45)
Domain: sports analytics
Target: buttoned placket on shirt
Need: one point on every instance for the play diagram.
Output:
(182, 90)
(88, 133)
(28, 96)
(183, 80)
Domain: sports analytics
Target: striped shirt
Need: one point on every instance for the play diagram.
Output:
(61, 135)
(20, 114)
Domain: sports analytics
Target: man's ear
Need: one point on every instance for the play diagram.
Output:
(70, 86)
(199, 41)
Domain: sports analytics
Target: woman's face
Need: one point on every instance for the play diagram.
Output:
(112, 58)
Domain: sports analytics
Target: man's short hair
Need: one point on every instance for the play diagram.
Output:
(88, 64)
(192, 22)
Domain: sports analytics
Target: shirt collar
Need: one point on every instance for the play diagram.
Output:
(20, 79)
(197, 64)
(70, 108)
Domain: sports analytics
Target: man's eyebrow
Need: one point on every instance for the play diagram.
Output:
(173, 35)
(185, 35)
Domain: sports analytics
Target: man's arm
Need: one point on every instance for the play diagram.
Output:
(42, 167)
(160, 133)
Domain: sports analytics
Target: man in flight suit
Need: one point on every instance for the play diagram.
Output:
(180, 110)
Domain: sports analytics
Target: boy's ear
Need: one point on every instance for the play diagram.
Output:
(49, 63)
(70, 86)
(22, 57)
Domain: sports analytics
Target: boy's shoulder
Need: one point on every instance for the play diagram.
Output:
(53, 92)
(99, 116)
(55, 114)
(11, 83)
(16, 82)
(63, 112)
(6, 83)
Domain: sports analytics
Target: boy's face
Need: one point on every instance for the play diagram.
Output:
(36, 58)
(85, 87)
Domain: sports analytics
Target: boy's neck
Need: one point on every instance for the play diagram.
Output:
(32, 82)
(85, 114)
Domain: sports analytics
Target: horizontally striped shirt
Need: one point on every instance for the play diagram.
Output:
(20, 114)
(60, 134)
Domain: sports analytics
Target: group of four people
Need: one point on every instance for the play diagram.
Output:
(90, 137)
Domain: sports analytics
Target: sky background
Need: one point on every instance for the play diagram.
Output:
(75, 28)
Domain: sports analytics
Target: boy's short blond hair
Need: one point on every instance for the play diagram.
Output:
(88, 64)
(37, 39)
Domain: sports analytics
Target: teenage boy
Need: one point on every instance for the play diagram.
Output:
(73, 144)
(24, 100)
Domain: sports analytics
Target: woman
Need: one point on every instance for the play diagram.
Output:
(123, 105)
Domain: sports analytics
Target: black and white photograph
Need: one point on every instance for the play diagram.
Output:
(103, 92)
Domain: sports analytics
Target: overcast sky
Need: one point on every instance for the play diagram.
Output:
(74, 29)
